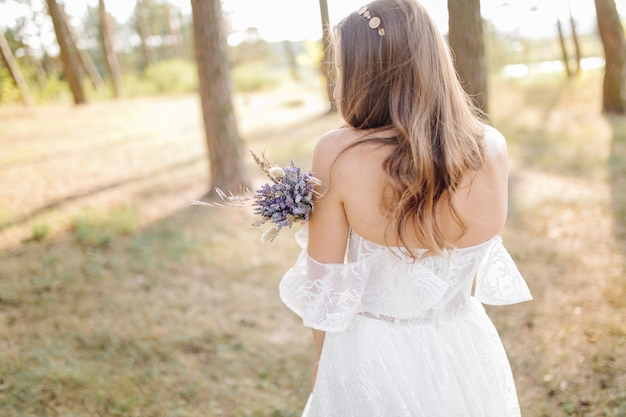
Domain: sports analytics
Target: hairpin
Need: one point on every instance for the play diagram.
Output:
(374, 21)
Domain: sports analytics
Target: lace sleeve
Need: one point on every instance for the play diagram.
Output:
(325, 296)
(498, 281)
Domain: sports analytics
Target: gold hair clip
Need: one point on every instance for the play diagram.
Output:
(374, 22)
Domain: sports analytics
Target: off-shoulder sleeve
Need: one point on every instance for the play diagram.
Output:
(498, 281)
(325, 296)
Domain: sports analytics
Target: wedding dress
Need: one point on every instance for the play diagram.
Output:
(407, 338)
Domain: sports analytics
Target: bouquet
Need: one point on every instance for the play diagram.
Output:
(287, 199)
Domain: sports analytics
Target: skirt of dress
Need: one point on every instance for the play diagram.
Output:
(455, 368)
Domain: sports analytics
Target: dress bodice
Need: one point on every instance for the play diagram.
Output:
(423, 290)
(384, 282)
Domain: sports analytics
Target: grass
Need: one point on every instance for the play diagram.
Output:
(566, 230)
(119, 299)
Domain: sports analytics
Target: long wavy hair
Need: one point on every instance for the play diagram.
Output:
(406, 80)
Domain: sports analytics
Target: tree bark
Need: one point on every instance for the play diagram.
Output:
(291, 60)
(466, 39)
(110, 58)
(144, 34)
(84, 58)
(14, 70)
(564, 54)
(575, 39)
(327, 63)
(173, 26)
(612, 35)
(71, 67)
(221, 133)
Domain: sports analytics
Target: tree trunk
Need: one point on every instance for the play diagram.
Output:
(71, 66)
(612, 35)
(291, 60)
(466, 39)
(559, 28)
(110, 58)
(144, 34)
(575, 39)
(327, 63)
(173, 26)
(84, 58)
(220, 126)
(14, 70)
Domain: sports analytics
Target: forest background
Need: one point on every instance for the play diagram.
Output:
(117, 298)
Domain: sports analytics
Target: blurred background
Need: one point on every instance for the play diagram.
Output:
(119, 298)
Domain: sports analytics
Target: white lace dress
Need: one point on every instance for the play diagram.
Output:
(404, 338)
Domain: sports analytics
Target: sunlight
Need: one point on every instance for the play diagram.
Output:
(278, 20)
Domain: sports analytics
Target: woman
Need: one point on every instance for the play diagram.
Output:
(414, 198)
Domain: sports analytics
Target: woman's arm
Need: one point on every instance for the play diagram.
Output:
(328, 225)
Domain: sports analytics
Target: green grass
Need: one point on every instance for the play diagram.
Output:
(125, 301)
(93, 228)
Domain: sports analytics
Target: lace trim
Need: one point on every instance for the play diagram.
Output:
(398, 322)
(328, 296)
(498, 281)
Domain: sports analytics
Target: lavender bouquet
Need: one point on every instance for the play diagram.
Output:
(286, 200)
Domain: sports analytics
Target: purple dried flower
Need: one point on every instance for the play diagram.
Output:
(288, 200)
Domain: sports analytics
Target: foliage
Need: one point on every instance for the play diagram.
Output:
(98, 229)
(165, 77)
(311, 55)
(507, 49)
(9, 93)
(250, 50)
(256, 76)
(40, 231)
(174, 76)
(43, 85)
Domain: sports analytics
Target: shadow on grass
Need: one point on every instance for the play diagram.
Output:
(88, 149)
(566, 346)
(617, 171)
(179, 318)
(301, 131)
(617, 295)
(58, 204)
(549, 143)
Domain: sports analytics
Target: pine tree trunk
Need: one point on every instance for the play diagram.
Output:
(144, 34)
(84, 58)
(564, 54)
(173, 26)
(110, 58)
(327, 63)
(612, 35)
(221, 134)
(71, 66)
(14, 70)
(575, 39)
(291, 60)
(466, 40)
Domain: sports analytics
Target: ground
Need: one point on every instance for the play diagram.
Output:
(119, 298)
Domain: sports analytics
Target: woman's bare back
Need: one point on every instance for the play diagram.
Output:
(359, 182)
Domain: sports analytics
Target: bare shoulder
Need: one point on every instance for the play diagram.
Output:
(336, 140)
(495, 146)
(495, 142)
(329, 147)
(332, 141)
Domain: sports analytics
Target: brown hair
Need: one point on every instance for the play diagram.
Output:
(406, 80)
